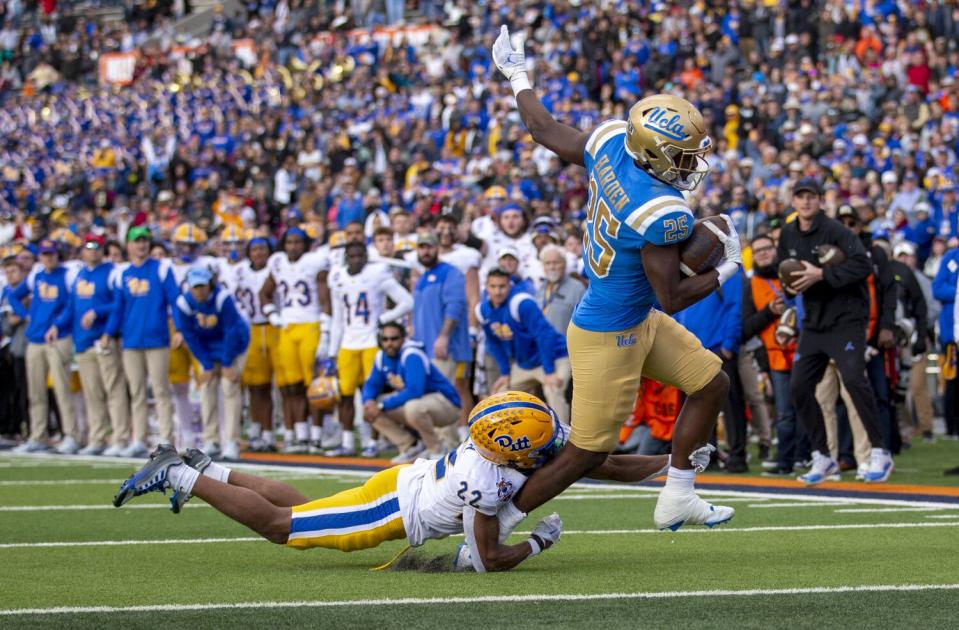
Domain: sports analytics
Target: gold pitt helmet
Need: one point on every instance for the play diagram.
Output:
(667, 135)
(233, 234)
(516, 429)
(323, 393)
(189, 233)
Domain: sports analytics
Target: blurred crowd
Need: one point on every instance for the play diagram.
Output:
(322, 123)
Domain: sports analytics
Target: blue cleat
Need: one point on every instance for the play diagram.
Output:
(153, 477)
(824, 468)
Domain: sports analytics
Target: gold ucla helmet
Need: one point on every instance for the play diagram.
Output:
(323, 393)
(516, 429)
(667, 136)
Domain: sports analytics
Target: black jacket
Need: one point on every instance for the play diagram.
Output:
(887, 291)
(842, 297)
(913, 301)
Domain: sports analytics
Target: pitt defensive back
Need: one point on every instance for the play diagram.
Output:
(468, 491)
(636, 217)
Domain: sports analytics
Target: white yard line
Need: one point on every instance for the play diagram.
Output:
(953, 515)
(96, 506)
(894, 509)
(575, 532)
(484, 599)
(58, 482)
(790, 505)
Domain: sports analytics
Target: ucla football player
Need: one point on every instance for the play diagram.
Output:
(636, 217)
(511, 435)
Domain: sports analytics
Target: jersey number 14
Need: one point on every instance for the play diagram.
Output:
(362, 310)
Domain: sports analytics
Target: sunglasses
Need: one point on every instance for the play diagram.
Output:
(768, 248)
(92, 245)
(395, 338)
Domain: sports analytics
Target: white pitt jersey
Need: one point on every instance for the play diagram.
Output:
(432, 494)
(296, 283)
(499, 240)
(359, 302)
(247, 283)
(226, 275)
(463, 258)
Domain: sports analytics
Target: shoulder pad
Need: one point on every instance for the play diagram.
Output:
(603, 134)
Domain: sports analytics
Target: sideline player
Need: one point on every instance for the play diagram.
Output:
(468, 491)
(636, 217)
(261, 363)
(304, 322)
(358, 293)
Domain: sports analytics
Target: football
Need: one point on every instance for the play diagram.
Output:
(829, 255)
(786, 270)
(788, 328)
(703, 250)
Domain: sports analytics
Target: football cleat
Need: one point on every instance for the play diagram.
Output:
(677, 508)
(370, 451)
(409, 455)
(824, 468)
(114, 450)
(880, 466)
(68, 446)
(153, 477)
(134, 449)
(31, 446)
(340, 451)
(196, 459)
(516, 429)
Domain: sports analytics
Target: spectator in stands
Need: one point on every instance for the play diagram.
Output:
(218, 336)
(560, 293)
(100, 365)
(145, 293)
(49, 348)
(422, 399)
(527, 349)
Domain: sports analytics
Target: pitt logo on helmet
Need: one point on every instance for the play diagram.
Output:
(516, 429)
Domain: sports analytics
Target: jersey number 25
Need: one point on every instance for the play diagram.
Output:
(601, 228)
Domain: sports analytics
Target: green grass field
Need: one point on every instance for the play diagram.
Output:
(792, 561)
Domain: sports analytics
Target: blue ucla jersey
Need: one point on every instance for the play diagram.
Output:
(627, 209)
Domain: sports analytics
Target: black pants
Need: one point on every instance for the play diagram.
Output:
(846, 345)
(950, 403)
(13, 400)
(734, 413)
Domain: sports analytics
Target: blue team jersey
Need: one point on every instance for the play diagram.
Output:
(627, 208)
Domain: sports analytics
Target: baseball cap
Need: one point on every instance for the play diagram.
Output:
(904, 248)
(426, 238)
(889, 177)
(198, 276)
(807, 184)
(46, 246)
(846, 210)
(93, 241)
(508, 250)
(921, 206)
(138, 232)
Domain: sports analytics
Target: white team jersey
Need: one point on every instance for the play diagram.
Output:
(296, 283)
(359, 302)
(463, 258)
(432, 494)
(247, 283)
(180, 270)
(226, 273)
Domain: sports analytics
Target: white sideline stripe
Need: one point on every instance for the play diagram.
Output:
(954, 515)
(575, 532)
(642, 497)
(57, 482)
(95, 506)
(818, 590)
(894, 509)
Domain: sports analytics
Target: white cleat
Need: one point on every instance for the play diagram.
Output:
(68, 446)
(880, 466)
(115, 450)
(231, 452)
(675, 509)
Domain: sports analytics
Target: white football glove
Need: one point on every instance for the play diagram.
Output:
(733, 255)
(512, 63)
(323, 347)
(700, 457)
(546, 533)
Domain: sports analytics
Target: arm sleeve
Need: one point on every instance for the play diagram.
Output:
(237, 332)
(497, 348)
(64, 319)
(944, 284)
(187, 327)
(402, 300)
(889, 289)
(414, 382)
(336, 322)
(374, 384)
(469, 518)
(754, 322)
(733, 313)
(113, 321)
(16, 299)
(454, 296)
(170, 289)
(857, 266)
(105, 309)
(544, 333)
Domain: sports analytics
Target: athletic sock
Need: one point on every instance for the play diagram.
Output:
(316, 433)
(348, 440)
(256, 430)
(217, 472)
(268, 438)
(182, 478)
(302, 431)
(677, 479)
(288, 437)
